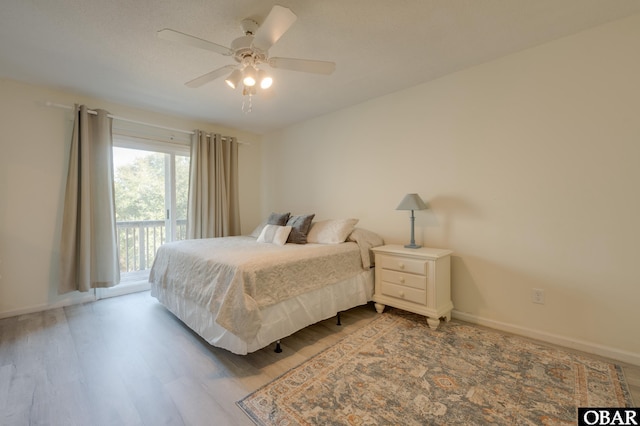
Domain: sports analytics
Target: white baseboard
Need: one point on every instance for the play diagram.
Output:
(91, 296)
(122, 289)
(581, 345)
(88, 297)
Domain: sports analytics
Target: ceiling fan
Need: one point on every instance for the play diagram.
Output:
(250, 52)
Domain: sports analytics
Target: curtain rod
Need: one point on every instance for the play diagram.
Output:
(128, 120)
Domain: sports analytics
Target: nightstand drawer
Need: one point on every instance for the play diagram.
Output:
(404, 293)
(401, 278)
(413, 266)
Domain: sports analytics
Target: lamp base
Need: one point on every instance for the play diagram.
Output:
(413, 246)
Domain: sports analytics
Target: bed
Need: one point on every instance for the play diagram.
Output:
(242, 293)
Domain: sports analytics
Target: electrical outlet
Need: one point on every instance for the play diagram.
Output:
(537, 295)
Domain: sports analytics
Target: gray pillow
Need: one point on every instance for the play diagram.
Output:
(300, 225)
(279, 219)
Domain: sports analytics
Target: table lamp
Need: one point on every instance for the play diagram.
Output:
(412, 202)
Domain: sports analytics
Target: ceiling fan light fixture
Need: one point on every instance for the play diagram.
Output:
(234, 79)
(265, 79)
(250, 76)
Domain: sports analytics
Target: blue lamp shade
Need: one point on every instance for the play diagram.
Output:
(412, 202)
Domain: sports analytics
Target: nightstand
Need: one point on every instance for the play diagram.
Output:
(416, 280)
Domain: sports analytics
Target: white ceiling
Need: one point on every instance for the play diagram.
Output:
(109, 49)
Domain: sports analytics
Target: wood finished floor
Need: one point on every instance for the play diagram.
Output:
(128, 361)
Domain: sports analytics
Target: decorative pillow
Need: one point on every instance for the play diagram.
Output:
(332, 231)
(274, 234)
(300, 225)
(278, 219)
(273, 219)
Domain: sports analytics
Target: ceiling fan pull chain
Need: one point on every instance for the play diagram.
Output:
(247, 106)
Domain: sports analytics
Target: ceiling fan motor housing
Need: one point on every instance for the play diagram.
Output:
(243, 49)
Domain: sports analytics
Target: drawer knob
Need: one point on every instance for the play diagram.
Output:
(402, 294)
(401, 280)
(401, 265)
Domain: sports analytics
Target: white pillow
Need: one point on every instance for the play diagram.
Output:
(332, 231)
(274, 234)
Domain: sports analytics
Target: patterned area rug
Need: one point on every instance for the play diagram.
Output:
(397, 371)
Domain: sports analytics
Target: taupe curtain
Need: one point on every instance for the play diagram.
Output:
(88, 249)
(213, 209)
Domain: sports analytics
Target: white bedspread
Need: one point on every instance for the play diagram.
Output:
(236, 276)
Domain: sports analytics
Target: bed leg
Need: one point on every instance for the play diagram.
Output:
(338, 318)
(278, 349)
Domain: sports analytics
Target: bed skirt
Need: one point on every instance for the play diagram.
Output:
(279, 320)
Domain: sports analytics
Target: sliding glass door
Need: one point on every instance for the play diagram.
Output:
(151, 183)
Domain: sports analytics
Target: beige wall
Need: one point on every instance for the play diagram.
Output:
(530, 165)
(34, 141)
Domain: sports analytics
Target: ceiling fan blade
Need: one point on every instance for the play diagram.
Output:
(210, 76)
(303, 65)
(173, 35)
(276, 23)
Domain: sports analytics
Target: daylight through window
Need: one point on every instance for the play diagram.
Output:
(151, 184)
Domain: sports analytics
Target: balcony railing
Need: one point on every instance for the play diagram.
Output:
(139, 240)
